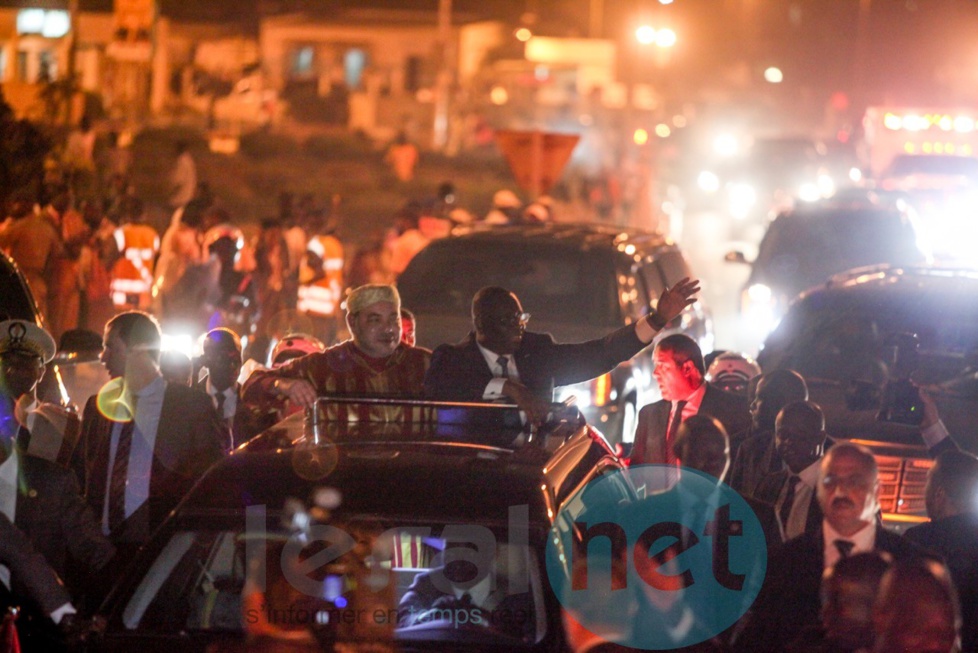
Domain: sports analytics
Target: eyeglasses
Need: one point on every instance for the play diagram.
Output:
(516, 319)
(847, 482)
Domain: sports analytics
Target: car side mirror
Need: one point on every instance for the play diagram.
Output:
(735, 256)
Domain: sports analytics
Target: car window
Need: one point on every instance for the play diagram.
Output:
(800, 251)
(563, 284)
(842, 342)
(358, 581)
(673, 266)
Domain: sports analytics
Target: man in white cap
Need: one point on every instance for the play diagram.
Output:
(37, 496)
(373, 362)
(49, 430)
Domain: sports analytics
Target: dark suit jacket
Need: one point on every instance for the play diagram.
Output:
(191, 438)
(653, 422)
(955, 539)
(31, 575)
(789, 601)
(53, 515)
(756, 458)
(459, 372)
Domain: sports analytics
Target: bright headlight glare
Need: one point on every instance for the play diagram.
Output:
(708, 182)
(742, 199)
(809, 192)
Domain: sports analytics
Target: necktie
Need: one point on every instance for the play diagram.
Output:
(789, 499)
(844, 547)
(504, 364)
(120, 471)
(220, 398)
(677, 419)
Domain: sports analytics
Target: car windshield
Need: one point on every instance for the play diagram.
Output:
(353, 580)
(801, 249)
(934, 165)
(564, 284)
(841, 342)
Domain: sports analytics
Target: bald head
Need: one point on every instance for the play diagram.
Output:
(774, 391)
(952, 485)
(499, 320)
(848, 488)
(702, 444)
(799, 434)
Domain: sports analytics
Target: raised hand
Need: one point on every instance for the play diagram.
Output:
(674, 300)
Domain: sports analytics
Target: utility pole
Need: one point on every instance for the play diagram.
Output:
(443, 79)
(72, 53)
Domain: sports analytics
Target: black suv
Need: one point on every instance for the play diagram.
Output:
(577, 281)
(804, 247)
(843, 338)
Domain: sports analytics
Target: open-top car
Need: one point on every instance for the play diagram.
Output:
(316, 534)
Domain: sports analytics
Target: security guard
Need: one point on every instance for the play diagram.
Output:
(321, 284)
(132, 274)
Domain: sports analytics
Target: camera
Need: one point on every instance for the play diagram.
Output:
(901, 402)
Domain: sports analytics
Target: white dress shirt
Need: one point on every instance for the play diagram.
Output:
(149, 405)
(494, 389)
(863, 541)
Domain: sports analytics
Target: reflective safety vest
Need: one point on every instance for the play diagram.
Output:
(320, 291)
(132, 274)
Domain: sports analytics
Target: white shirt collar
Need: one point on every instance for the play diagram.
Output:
(863, 541)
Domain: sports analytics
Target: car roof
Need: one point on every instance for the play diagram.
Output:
(404, 472)
(926, 277)
(574, 234)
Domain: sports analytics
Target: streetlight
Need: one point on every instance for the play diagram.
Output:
(645, 35)
(665, 38)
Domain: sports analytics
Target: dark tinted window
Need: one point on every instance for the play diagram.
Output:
(556, 282)
(804, 249)
(14, 302)
(841, 340)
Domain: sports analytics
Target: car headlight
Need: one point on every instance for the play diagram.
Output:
(759, 308)
(742, 199)
(809, 192)
(181, 342)
(708, 182)
(826, 187)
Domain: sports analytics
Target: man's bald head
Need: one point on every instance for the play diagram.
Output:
(952, 485)
(775, 390)
(702, 444)
(799, 434)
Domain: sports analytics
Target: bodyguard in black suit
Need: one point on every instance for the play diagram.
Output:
(500, 359)
(758, 456)
(952, 533)
(172, 434)
(679, 371)
(848, 492)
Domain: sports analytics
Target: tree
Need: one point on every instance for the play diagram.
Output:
(23, 148)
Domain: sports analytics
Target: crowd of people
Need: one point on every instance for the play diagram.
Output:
(98, 484)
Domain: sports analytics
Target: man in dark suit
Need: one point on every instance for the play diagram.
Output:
(952, 533)
(758, 456)
(144, 441)
(800, 442)
(222, 359)
(848, 493)
(679, 371)
(40, 497)
(500, 359)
